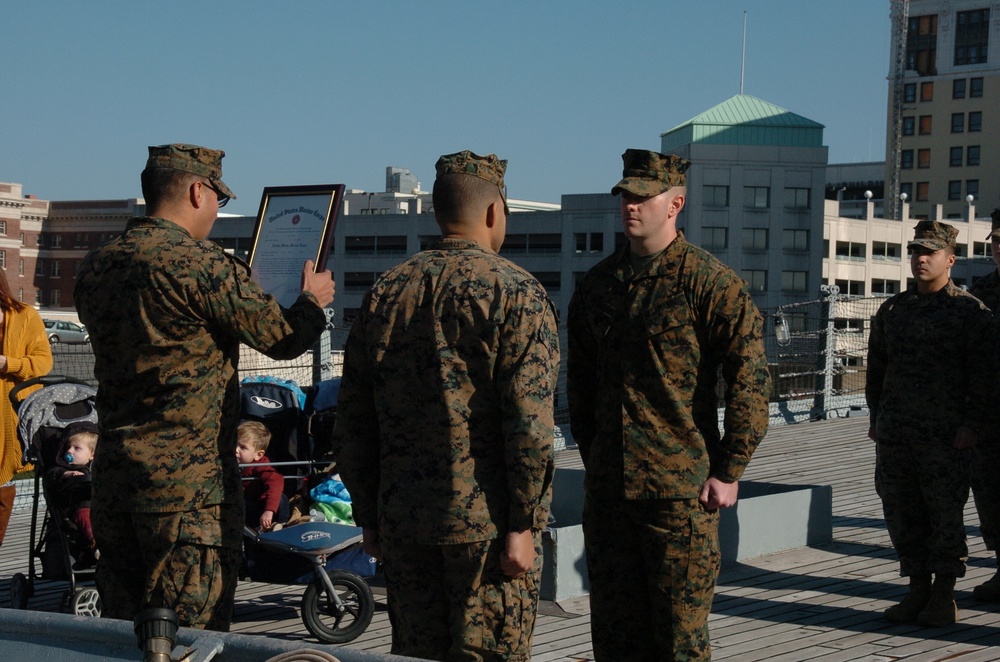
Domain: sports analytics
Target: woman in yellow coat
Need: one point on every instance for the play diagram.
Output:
(24, 353)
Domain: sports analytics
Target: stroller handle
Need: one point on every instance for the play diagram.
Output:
(45, 380)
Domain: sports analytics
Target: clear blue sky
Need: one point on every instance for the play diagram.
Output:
(318, 92)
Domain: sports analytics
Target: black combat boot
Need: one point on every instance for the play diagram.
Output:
(941, 609)
(914, 603)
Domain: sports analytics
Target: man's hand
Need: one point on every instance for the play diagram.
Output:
(369, 541)
(320, 285)
(965, 438)
(518, 555)
(717, 494)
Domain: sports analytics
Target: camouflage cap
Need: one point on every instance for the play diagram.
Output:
(648, 173)
(933, 235)
(489, 167)
(995, 229)
(191, 158)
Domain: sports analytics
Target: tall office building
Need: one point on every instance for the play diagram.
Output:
(944, 76)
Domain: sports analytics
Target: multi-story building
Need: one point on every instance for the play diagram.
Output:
(942, 139)
(21, 220)
(755, 194)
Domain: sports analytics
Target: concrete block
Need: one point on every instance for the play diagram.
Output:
(768, 518)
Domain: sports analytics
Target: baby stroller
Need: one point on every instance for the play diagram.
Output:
(42, 417)
(337, 605)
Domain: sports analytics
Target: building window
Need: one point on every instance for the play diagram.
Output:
(758, 197)
(39, 267)
(532, 244)
(715, 196)
(849, 250)
(957, 122)
(795, 240)
(906, 159)
(907, 188)
(852, 287)
(975, 88)
(927, 91)
(20, 269)
(80, 240)
(38, 297)
(375, 245)
(982, 250)
(955, 189)
(908, 125)
(3, 228)
(797, 198)
(910, 93)
(972, 188)
(923, 191)
(882, 250)
(925, 125)
(756, 280)
(972, 36)
(794, 281)
(359, 280)
(923, 158)
(975, 121)
(589, 242)
(55, 268)
(754, 239)
(3, 259)
(921, 44)
(54, 298)
(884, 287)
(958, 88)
(715, 239)
(955, 157)
(550, 280)
(972, 155)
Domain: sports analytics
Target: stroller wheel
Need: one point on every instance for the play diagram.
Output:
(331, 624)
(20, 591)
(86, 602)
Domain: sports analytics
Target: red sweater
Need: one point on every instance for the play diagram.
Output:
(266, 486)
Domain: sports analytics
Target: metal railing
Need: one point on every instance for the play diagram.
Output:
(817, 353)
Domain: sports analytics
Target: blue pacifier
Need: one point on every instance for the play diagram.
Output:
(68, 458)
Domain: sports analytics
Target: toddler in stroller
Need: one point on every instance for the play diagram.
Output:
(69, 485)
(45, 419)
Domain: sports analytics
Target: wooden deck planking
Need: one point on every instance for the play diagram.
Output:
(804, 605)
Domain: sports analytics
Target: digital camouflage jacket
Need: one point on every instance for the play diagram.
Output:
(444, 416)
(166, 315)
(645, 353)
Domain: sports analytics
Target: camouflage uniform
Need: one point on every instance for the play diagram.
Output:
(985, 488)
(924, 363)
(166, 315)
(645, 351)
(444, 419)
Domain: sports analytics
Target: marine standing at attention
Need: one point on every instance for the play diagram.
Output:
(445, 424)
(649, 330)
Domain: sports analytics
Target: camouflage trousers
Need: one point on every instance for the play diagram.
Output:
(186, 561)
(653, 566)
(924, 486)
(452, 602)
(986, 490)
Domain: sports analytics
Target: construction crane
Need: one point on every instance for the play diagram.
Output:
(900, 11)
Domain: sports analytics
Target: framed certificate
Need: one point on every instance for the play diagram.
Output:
(294, 224)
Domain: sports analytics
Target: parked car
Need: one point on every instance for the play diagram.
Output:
(60, 331)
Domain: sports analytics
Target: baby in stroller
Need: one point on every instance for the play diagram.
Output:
(69, 483)
(263, 486)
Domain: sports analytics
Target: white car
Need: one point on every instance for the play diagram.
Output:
(70, 332)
